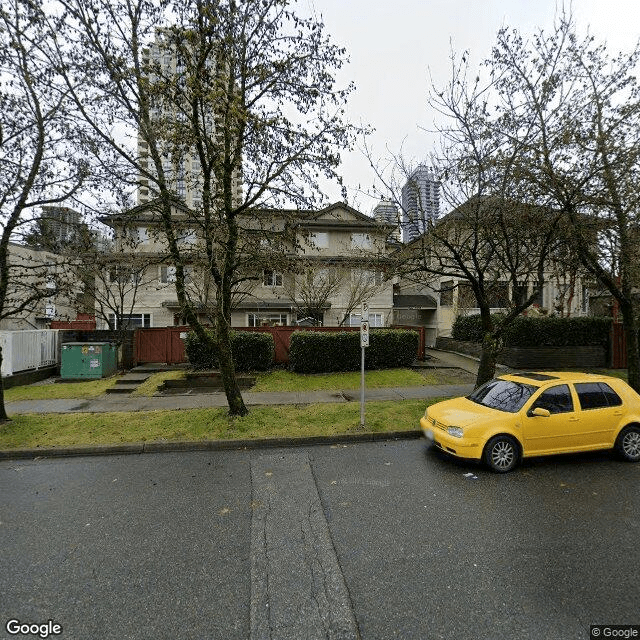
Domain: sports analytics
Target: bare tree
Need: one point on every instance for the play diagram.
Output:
(582, 108)
(37, 166)
(493, 240)
(311, 289)
(249, 93)
(362, 283)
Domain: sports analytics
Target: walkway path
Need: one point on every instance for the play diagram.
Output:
(108, 403)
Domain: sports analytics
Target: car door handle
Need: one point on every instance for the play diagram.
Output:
(574, 419)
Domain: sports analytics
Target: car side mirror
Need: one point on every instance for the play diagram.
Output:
(539, 412)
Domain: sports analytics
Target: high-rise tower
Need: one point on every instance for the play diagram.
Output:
(420, 203)
(182, 169)
(386, 212)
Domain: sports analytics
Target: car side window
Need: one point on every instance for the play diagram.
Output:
(596, 395)
(556, 400)
(613, 398)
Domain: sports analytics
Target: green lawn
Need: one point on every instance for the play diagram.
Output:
(281, 380)
(28, 431)
(56, 391)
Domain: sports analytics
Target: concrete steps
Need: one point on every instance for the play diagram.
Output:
(128, 383)
(203, 382)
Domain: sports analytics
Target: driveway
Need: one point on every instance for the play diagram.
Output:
(371, 541)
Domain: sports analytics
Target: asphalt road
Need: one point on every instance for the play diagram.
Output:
(371, 541)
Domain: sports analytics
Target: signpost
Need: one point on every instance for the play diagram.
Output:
(364, 343)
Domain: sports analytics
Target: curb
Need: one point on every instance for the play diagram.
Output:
(203, 445)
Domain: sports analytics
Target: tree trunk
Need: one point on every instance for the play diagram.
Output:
(228, 369)
(633, 354)
(487, 367)
(3, 412)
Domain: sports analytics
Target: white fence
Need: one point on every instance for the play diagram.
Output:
(24, 350)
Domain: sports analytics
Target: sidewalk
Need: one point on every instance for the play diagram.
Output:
(108, 403)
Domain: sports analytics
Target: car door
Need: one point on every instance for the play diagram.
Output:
(601, 409)
(556, 432)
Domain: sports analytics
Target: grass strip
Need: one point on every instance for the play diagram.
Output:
(281, 380)
(60, 390)
(31, 430)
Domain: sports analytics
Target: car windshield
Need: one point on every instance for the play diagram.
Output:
(503, 395)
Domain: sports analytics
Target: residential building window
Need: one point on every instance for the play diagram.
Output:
(466, 297)
(366, 277)
(271, 278)
(131, 320)
(124, 275)
(319, 240)
(143, 234)
(499, 295)
(521, 292)
(168, 274)
(375, 320)
(361, 241)
(320, 277)
(446, 293)
(188, 237)
(267, 319)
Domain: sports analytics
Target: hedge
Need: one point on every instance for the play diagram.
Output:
(323, 352)
(539, 331)
(251, 351)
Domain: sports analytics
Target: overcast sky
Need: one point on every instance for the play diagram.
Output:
(395, 44)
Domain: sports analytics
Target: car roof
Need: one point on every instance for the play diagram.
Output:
(546, 378)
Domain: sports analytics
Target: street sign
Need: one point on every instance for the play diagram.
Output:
(364, 333)
(364, 316)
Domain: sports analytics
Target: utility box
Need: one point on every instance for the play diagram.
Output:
(88, 360)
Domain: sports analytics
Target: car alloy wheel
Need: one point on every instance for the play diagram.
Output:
(502, 454)
(628, 443)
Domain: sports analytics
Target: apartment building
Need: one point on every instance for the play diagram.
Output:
(300, 268)
(43, 286)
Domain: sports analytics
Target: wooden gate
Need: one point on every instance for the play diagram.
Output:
(161, 344)
(618, 346)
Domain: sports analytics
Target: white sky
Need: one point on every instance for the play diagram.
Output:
(393, 45)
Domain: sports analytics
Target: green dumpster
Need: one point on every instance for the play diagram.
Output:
(88, 360)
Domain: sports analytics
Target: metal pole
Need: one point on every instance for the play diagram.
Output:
(362, 389)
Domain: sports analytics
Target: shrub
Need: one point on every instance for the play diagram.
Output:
(323, 352)
(540, 332)
(251, 351)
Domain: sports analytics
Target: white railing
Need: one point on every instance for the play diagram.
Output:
(31, 349)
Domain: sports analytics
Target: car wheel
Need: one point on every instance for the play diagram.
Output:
(501, 454)
(628, 443)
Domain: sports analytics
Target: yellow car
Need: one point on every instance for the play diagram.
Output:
(537, 414)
